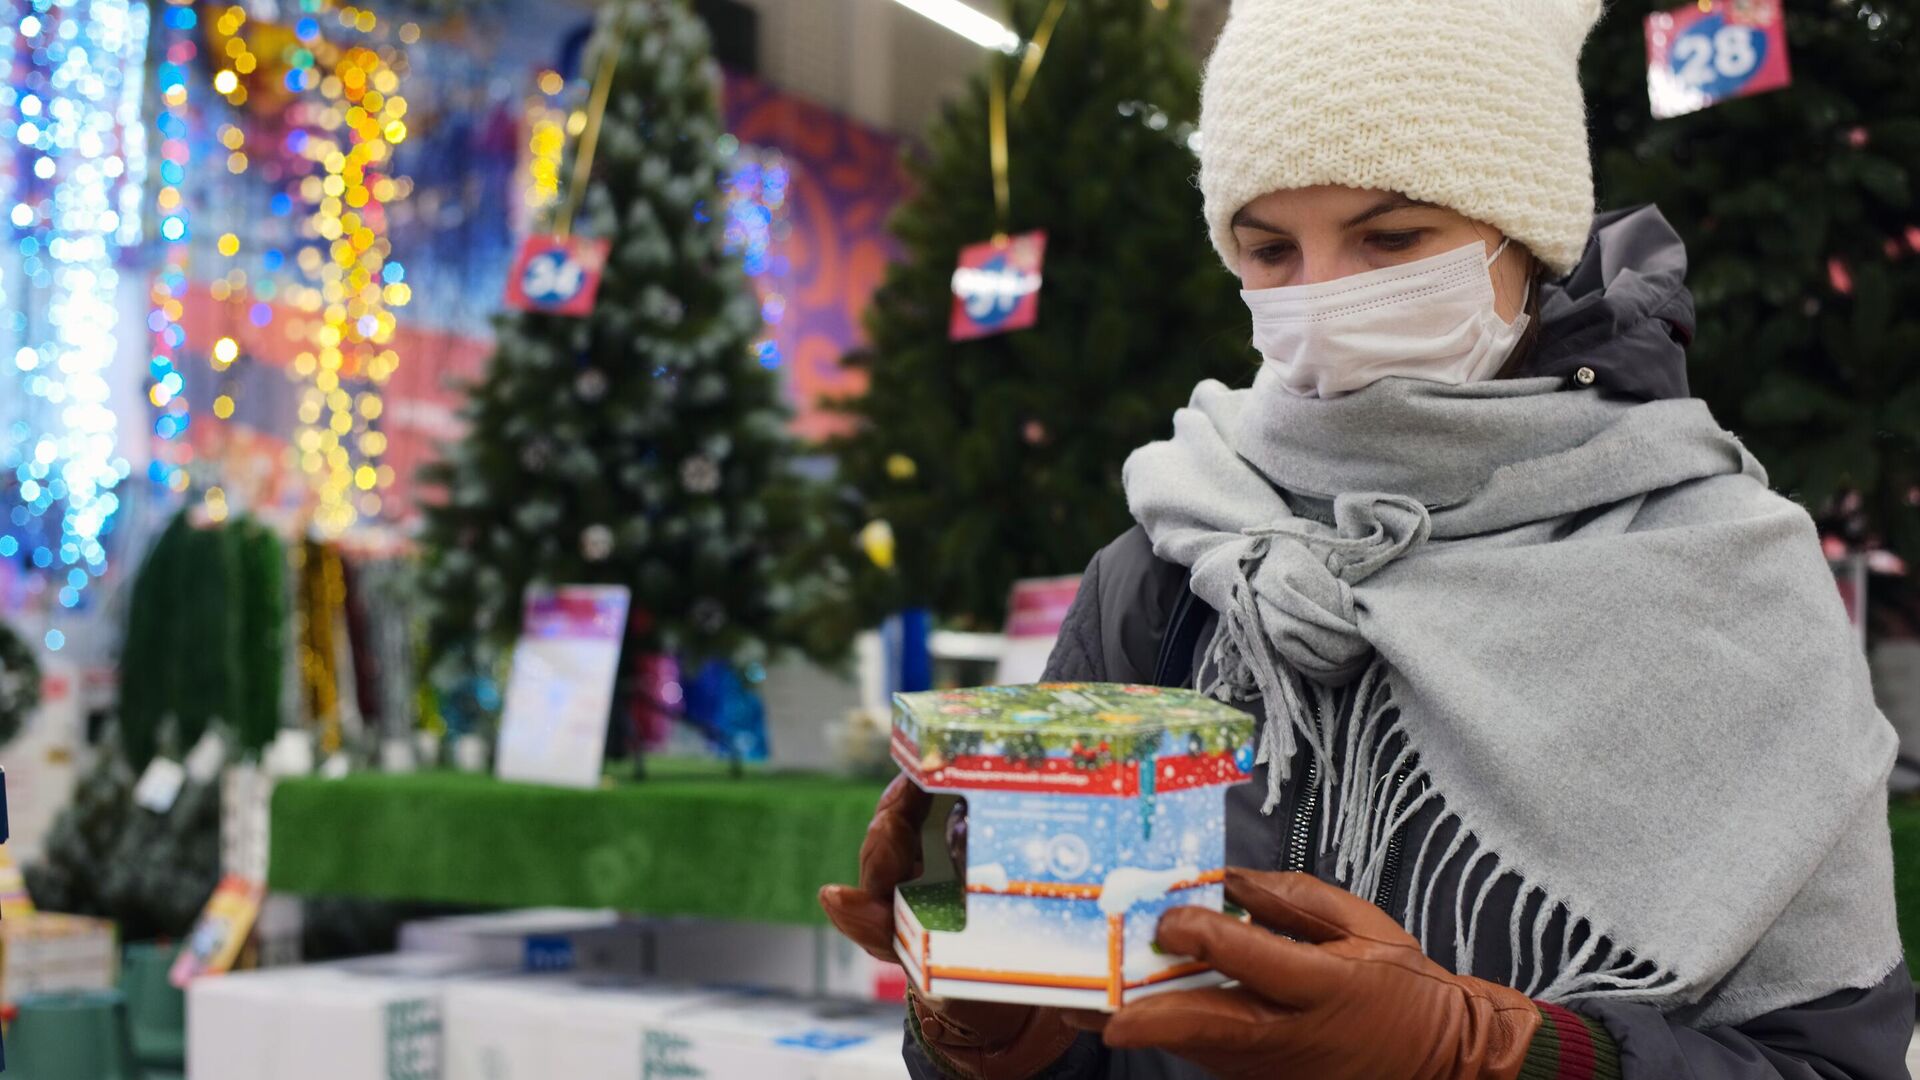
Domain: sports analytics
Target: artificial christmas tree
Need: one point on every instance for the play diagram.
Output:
(1798, 211)
(638, 444)
(999, 458)
(73, 867)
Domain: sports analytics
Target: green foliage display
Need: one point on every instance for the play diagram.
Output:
(1798, 210)
(19, 683)
(206, 634)
(639, 445)
(1015, 442)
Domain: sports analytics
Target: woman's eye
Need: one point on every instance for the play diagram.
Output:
(1272, 254)
(1395, 241)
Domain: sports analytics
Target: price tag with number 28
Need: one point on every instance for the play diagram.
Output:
(1709, 51)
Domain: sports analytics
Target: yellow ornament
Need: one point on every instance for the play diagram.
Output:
(901, 467)
(877, 541)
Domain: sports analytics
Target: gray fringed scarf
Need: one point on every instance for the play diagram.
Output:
(1618, 661)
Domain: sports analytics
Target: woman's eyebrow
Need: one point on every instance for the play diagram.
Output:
(1384, 206)
(1244, 219)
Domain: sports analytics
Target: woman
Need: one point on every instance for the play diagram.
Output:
(1569, 766)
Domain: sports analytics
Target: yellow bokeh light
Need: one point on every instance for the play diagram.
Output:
(364, 477)
(232, 137)
(159, 395)
(245, 64)
(226, 351)
(326, 380)
(226, 82)
(239, 95)
(385, 81)
(334, 161)
(383, 189)
(397, 294)
(176, 96)
(309, 414)
(386, 476)
(551, 82)
(236, 47)
(366, 22)
(333, 185)
(236, 163)
(576, 122)
(357, 197)
(229, 244)
(223, 406)
(303, 365)
(169, 198)
(370, 408)
(396, 132)
(219, 290)
(341, 423)
(409, 33)
(373, 444)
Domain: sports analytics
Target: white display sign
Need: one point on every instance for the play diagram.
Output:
(553, 728)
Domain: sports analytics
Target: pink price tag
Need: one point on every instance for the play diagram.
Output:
(1711, 51)
(556, 275)
(996, 287)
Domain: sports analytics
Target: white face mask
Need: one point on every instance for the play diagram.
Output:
(1433, 319)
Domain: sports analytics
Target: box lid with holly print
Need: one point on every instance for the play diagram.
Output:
(1071, 738)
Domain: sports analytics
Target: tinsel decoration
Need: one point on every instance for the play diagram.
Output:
(19, 683)
(323, 599)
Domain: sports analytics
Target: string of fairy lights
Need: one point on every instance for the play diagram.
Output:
(329, 84)
(74, 79)
(350, 134)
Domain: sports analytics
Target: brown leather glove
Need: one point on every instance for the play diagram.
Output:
(973, 1040)
(1352, 999)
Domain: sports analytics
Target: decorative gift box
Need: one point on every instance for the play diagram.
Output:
(1090, 809)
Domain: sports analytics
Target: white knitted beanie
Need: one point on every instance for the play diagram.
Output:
(1471, 104)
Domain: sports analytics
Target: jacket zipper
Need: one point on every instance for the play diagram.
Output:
(1383, 896)
(1305, 811)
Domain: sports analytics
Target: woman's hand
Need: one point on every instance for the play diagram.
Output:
(1353, 998)
(972, 1039)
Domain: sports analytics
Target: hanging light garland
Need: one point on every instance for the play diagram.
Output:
(546, 123)
(349, 136)
(75, 79)
(756, 201)
(166, 387)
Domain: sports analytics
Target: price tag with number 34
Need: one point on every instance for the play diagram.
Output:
(1712, 50)
(556, 274)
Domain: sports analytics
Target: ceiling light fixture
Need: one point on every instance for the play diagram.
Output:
(970, 23)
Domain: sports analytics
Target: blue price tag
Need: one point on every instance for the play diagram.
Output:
(822, 1041)
(549, 953)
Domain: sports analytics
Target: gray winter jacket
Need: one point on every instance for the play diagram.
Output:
(1624, 314)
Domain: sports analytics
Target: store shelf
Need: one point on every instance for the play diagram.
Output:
(689, 840)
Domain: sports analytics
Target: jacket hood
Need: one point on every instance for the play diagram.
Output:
(1624, 311)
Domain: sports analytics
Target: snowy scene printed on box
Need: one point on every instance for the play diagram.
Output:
(1091, 809)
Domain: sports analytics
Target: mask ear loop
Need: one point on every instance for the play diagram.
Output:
(1497, 252)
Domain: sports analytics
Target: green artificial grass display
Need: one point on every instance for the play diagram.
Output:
(686, 841)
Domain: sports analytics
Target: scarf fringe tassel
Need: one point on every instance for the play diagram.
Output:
(1375, 786)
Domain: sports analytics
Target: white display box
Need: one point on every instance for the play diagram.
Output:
(533, 1027)
(747, 1035)
(535, 939)
(373, 1019)
(539, 1027)
(798, 960)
